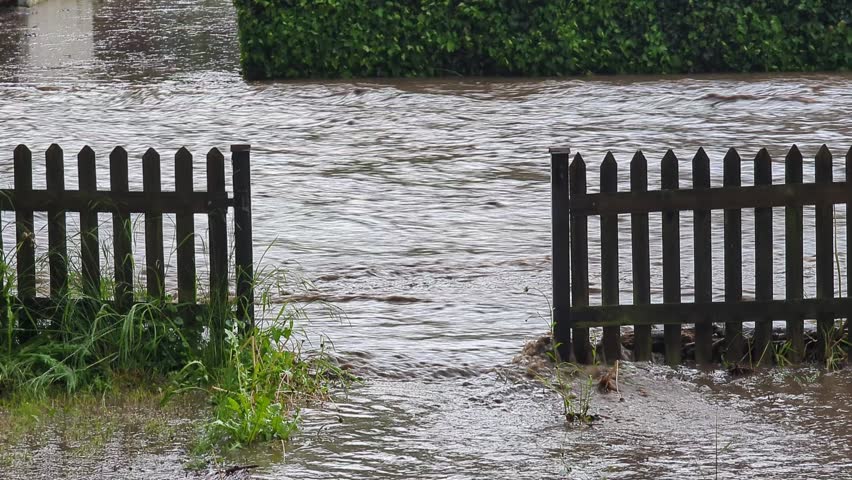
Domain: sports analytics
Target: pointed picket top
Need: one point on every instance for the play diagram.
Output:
(215, 153)
(700, 169)
(731, 168)
(609, 166)
(54, 149)
(118, 153)
(86, 152)
(822, 165)
(22, 149)
(793, 165)
(86, 174)
(183, 155)
(577, 175)
(669, 171)
(150, 155)
(609, 173)
(762, 168)
(118, 169)
(639, 172)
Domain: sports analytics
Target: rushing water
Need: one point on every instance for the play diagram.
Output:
(421, 208)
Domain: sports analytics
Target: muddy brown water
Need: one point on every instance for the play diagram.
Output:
(421, 208)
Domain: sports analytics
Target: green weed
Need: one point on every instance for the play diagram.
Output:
(257, 378)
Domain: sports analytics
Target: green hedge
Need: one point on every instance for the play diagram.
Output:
(373, 38)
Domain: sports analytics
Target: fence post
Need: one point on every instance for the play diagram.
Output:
(560, 216)
(244, 257)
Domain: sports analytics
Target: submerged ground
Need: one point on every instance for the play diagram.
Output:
(421, 208)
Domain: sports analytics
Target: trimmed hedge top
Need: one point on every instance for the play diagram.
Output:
(373, 38)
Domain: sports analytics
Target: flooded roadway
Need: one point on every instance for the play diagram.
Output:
(425, 205)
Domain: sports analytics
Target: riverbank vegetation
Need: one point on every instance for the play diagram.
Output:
(366, 38)
(251, 381)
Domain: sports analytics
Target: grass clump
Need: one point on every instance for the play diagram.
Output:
(255, 378)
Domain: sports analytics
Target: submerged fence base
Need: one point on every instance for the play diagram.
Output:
(573, 316)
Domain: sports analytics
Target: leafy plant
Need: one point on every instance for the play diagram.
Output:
(400, 38)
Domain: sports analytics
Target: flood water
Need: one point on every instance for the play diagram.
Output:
(421, 208)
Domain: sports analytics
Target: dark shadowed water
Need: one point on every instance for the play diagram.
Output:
(422, 209)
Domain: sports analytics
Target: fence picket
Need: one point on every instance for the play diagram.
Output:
(218, 252)
(561, 262)
(731, 177)
(671, 258)
(185, 230)
(579, 258)
(89, 241)
(56, 226)
(763, 259)
(609, 259)
(155, 273)
(824, 214)
(25, 239)
(641, 258)
(703, 260)
(121, 232)
(243, 251)
(793, 238)
(848, 257)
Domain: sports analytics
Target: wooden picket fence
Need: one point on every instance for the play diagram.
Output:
(88, 201)
(572, 205)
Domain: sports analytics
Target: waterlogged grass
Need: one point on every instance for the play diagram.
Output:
(250, 382)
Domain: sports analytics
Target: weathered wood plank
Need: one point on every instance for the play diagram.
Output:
(579, 259)
(641, 257)
(559, 163)
(89, 235)
(25, 239)
(717, 198)
(155, 272)
(609, 260)
(824, 213)
(218, 250)
(703, 261)
(683, 313)
(671, 258)
(763, 259)
(57, 250)
(243, 246)
(121, 233)
(733, 259)
(793, 237)
(185, 231)
(848, 256)
(111, 202)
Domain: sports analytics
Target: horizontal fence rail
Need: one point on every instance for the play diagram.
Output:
(572, 206)
(87, 201)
